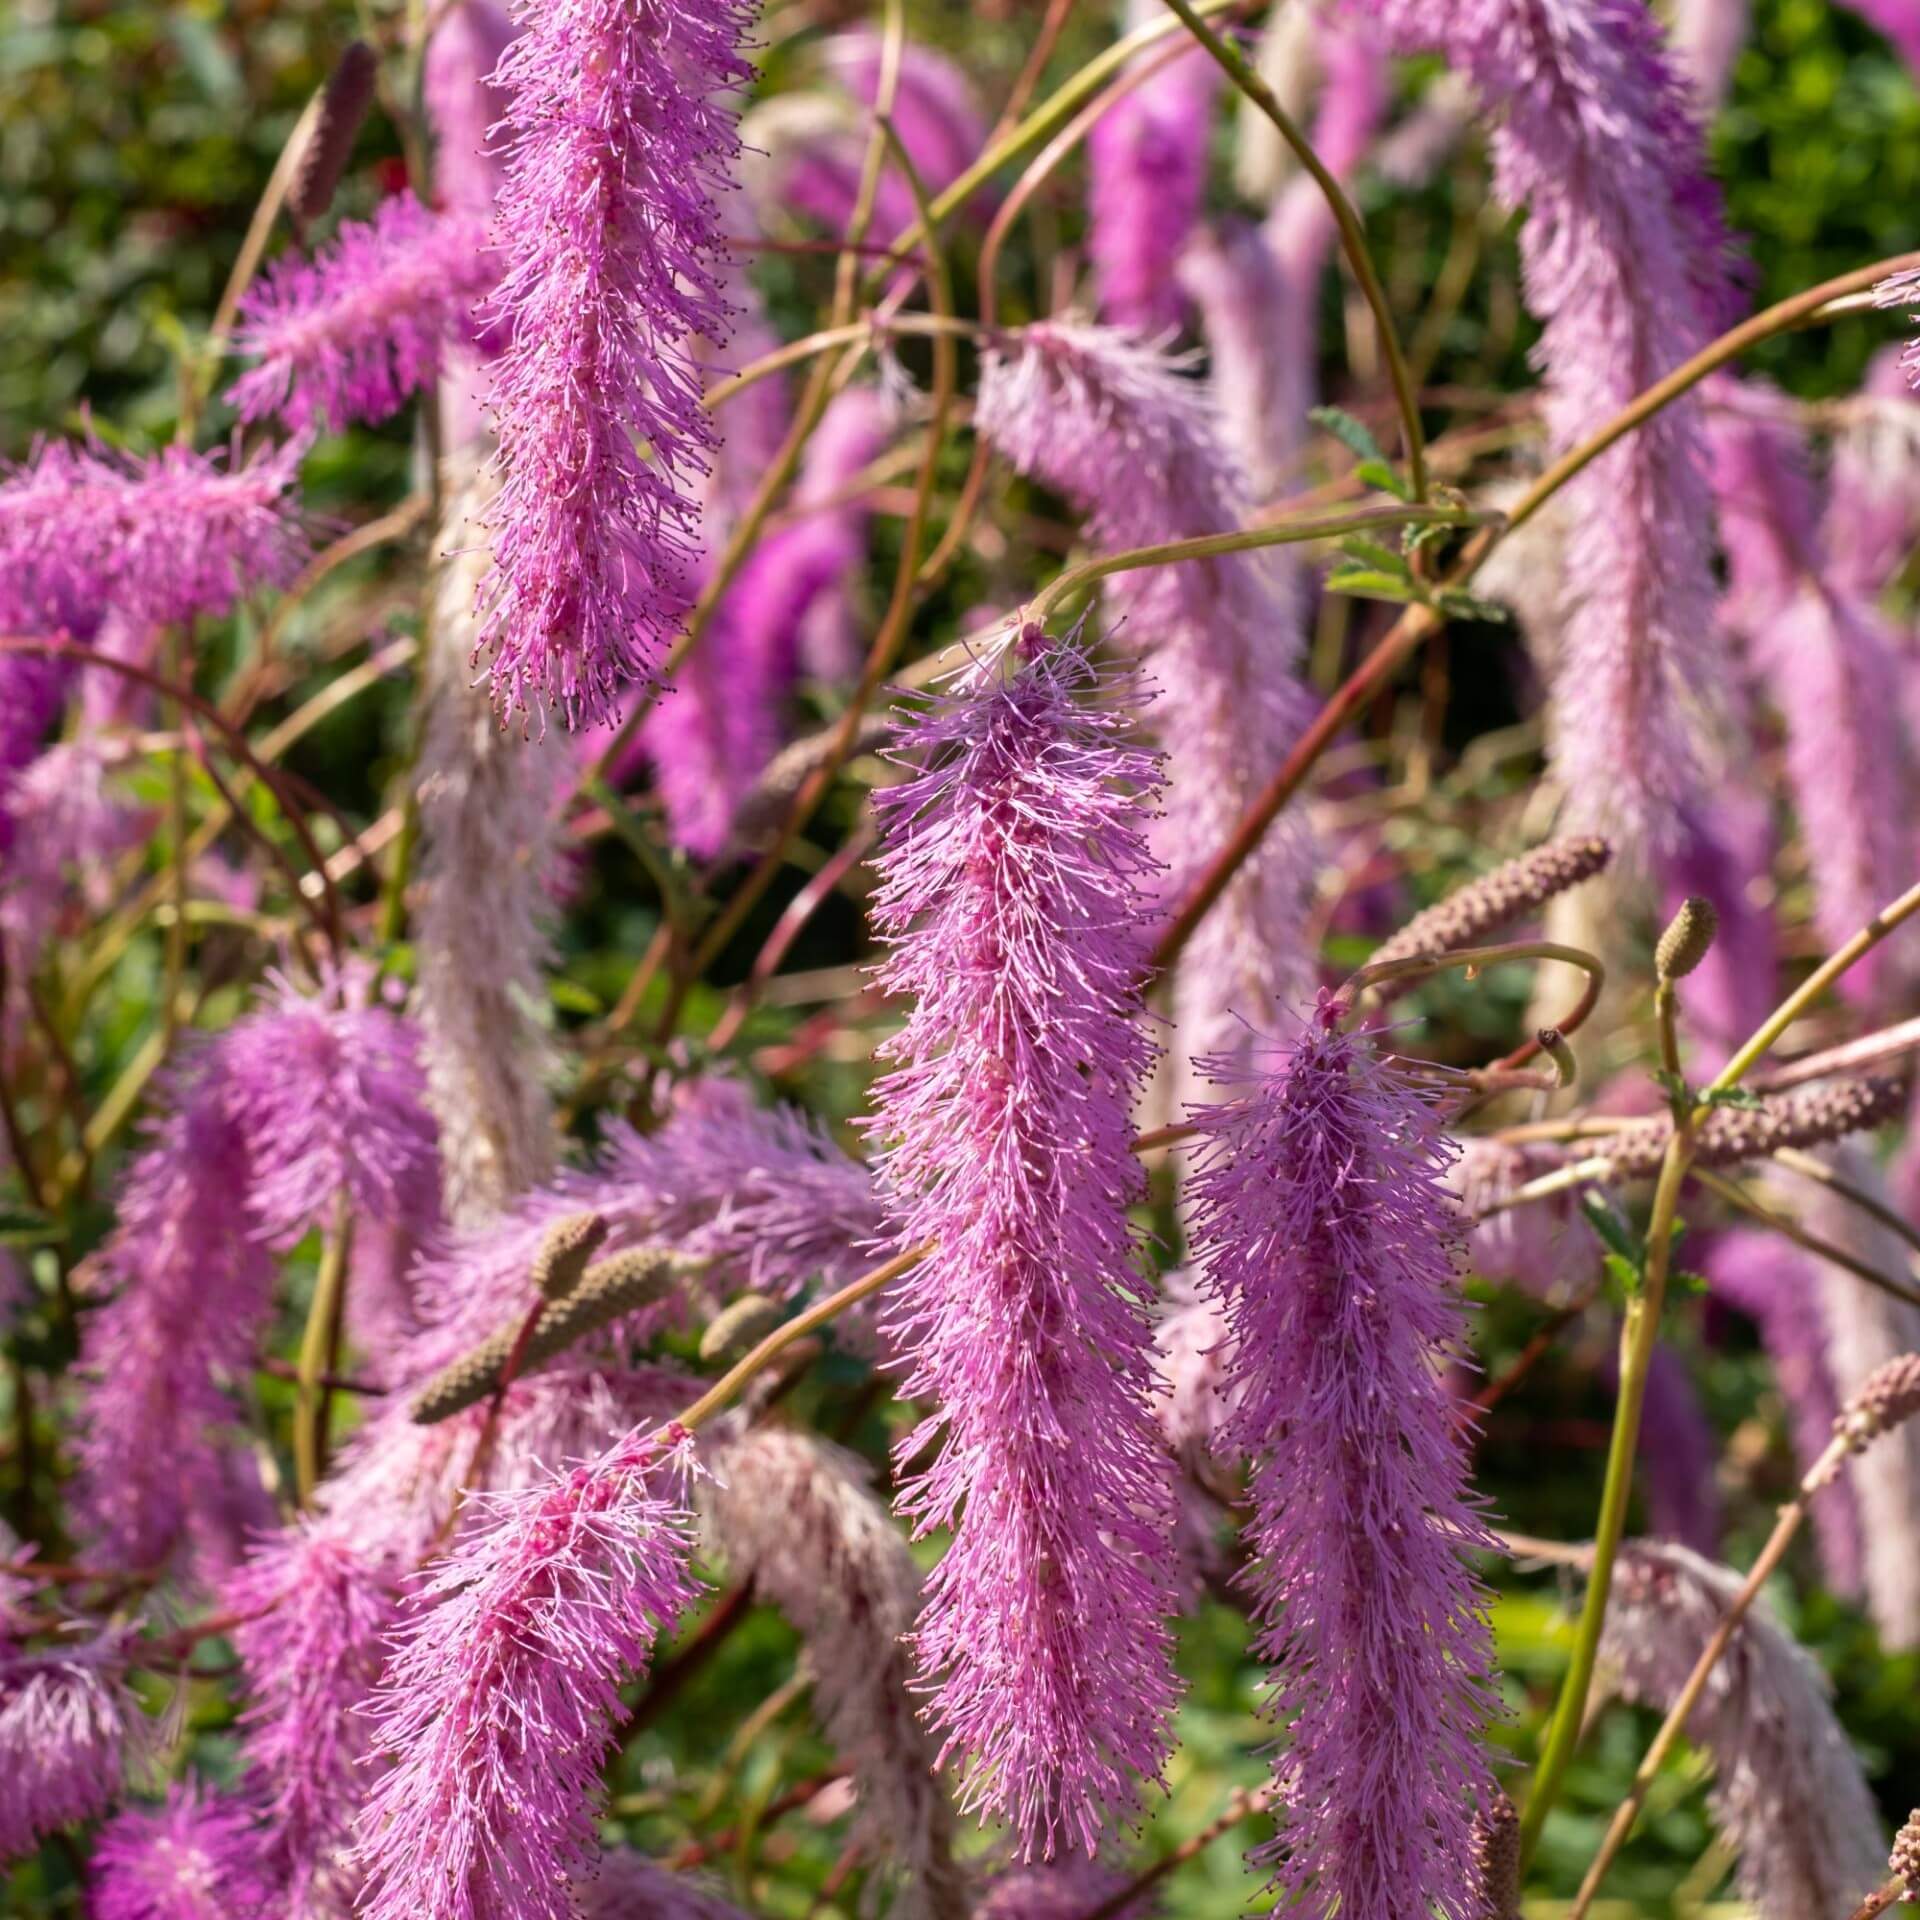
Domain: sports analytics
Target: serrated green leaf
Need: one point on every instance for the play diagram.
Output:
(1349, 432)
(1376, 473)
(1623, 1273)
(1372, 554)
(571, 997)
(1366, 583)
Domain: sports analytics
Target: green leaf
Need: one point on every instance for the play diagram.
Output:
(1687, 1280)
(1469, 606)
(1376, 473)
(1366, 583)
(1349, 432)
(1625, 1276)
(1612, 1226)
(22, 1227)
(1372, 554)
(571, 997)
(1743, 1097)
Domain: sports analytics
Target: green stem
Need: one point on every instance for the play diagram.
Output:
(1353, 239)
(313, 1399)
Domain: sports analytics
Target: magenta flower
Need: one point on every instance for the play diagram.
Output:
(67, 1725)
(463, 103)
(619, 144)
(355, 331)
(1011, 902)
(1322, 1218)
(502, 1695)
(1147, 162)
(1625, 263)
(936, 111)
(1898, 20)
(195, 1857)
(1870, 517)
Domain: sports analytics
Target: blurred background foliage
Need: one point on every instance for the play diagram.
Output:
(135, 138)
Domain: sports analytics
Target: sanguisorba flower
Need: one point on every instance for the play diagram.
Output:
(1010, 901)
(501, 1698)
(67, 1727)
(620, 139)
(355, 331)
(194, 1857)
(1625, 262)
(1326, 1232)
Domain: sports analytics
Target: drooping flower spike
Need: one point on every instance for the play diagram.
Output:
(1011, 904)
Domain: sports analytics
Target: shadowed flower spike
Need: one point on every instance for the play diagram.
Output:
(620, 141)
(1327, 1235)
(354, 332)
(624, 1885)
(502, 1695)
(936, 113)
(1010, 901)
(67, 1727)
(194, 1858)
(1788, 1795)
(1626, 264)
(463, 103)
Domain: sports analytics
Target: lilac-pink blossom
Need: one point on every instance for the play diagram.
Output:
(620, 140)
(464, 103)
(1011, 905)
(193, 1857)
(356, 330)
(67, 1727)
(501, 1699)
(1325, 1231)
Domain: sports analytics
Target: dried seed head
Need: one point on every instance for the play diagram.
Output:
(1732, 1136)
(1496, 1854)
(344, 101)
(1889, 1395)
(1688, 936)
(739, 1326)
(1467, 915)
(564, 1252)
(1904, 1860)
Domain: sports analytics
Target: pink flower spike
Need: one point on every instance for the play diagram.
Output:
(1327, 1236)
(619, 146)
(354, 332)
(67, 1723)
(1011, 902)
(194, 1858)
(502, 1694)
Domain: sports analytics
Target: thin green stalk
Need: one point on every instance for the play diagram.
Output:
(313, 1400)
(176, 940)
(1353, 238)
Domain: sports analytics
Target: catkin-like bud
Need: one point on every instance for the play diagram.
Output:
(1688, 936)
(464, 1382)
(1468, 914)
(1889, 1395)
(1732, 1136)
(740, 1325)
(1904, 1860)
(344, 101)
(1496, 1854)
(564, 1252)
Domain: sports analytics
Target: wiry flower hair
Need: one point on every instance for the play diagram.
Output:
(501, 1698)
(1326, 1232)
(354, 332)
(194, 1857)
(1010, 904)
(619, 143)
(1789, 1799)
(67, 1728)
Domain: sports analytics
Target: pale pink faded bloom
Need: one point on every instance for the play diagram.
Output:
(501, 1699)
(1354, 95)
(624, 1885)
(1706, 37)
(1871, 513)
(68, 1726)
(194, 1857)
(1788, 1796)
(798, 1519)
(1625, 262)
(936, 111)
(620, 139)
(1540, 1245)
(353, 332)
(1324, 1228)
(1011, 903)
(464, 103)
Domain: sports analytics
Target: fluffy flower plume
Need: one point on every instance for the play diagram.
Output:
(1624, 258)
(1871, 513)
(1789, 1798)
(85, 532)
(67, 1725)
(1010, 900)
(501, 1698)
(195, 1857)
(1147, 160)
(619, 144)
(798, 1519)
(624, 1885)
(1136, 447)
(1327, 1235)
(354, 332)
(463, 103)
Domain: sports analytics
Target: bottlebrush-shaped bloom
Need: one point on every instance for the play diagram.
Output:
(67, 1728)
(313, 1609)
(1011, 899)
(1354, 97)
(195, 1857)
(1147, 164)
(1327, 1234)
(936, 111)
(1136, 448)
(503, 1691)
(463, 103)
(1789, 1798)
(329, 1092)
(619, 144)
(1870, 519)
(1625, 263)
(354, 332)
(85, 532)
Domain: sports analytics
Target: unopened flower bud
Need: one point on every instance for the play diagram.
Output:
(739, 1326)
(1905, 1857)
(1688, 936)
(344, 101)
(1889, 1395)
(564, 1252)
